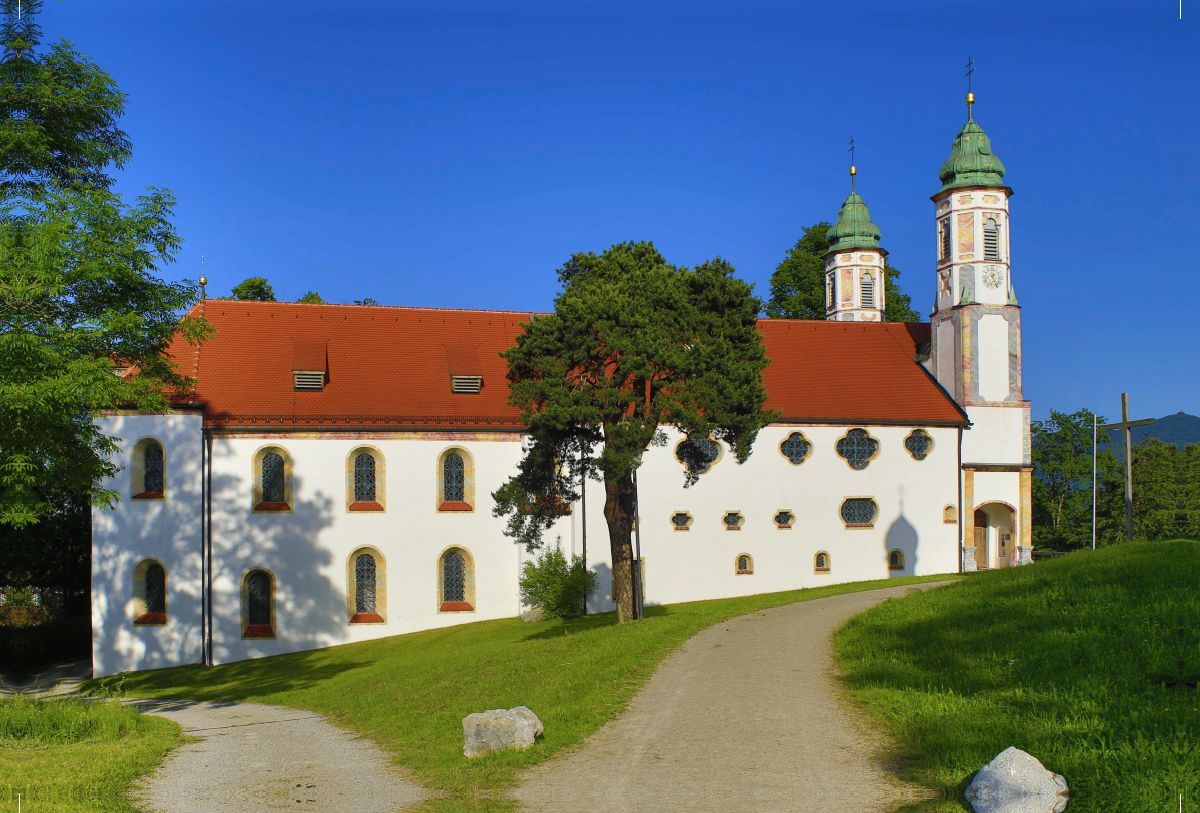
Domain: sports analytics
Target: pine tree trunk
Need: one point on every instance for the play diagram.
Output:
(618, 511)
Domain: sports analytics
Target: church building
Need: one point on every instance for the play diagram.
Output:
(329, 478)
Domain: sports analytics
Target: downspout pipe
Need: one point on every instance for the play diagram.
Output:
(208, 576)
(960, 501)
(203, 545)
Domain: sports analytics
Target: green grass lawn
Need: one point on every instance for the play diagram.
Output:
(1088, 662)
(75, 756)
(410, 692)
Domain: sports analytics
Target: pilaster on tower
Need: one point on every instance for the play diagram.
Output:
(854, 280)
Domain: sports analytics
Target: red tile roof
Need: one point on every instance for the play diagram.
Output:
(390, 366)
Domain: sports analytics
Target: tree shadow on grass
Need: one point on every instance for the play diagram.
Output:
(242, 680)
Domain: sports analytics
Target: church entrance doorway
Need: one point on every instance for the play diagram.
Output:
(994, 535)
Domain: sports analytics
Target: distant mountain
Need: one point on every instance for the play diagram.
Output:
(1180, 429)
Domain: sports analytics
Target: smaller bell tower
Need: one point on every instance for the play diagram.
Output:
(854, 280)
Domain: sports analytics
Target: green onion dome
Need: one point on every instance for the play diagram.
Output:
(853, 228)
(971, 161)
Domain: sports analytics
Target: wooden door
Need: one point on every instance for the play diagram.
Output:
(981, 556)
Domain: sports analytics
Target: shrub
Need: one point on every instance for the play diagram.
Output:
(555, 585)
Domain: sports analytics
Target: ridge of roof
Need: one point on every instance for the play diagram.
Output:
(315, 305)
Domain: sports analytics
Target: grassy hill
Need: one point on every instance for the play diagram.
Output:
(1089, 662)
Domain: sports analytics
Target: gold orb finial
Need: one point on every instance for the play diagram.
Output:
(204, 280)
(853, 170)
(970, 98)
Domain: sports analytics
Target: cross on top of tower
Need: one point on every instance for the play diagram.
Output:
(970, 96)
(853, 169)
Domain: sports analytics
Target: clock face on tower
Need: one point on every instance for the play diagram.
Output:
(993, 275)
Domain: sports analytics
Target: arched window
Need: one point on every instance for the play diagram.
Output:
(364, 477)
(698, 454)
(796, 448)
(456, 481)
(453, 478)
(272, 478)
(859, 512)
(831, 290)
(950, 515)
(153, 478)
(147, 470)
(991, 240)
(366, 480)
(456, 582)
(365, 610)
(858, 449)
(258, 599)
(895, 560)
(150, 593)
(745, 564)
(919, 444)
(868, 290)
(944, 227)
(821, 562)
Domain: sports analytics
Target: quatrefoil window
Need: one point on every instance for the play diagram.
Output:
(682, 520)
(796, 448)
(733, 520)
(784, 519)
(698, 454)
(919, 444)
(858, 449)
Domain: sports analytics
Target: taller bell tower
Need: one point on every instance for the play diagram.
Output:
(976, 348)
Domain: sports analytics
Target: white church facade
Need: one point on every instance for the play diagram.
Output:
(329, 479)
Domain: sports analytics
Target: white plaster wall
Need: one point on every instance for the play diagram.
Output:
(308, 549)
(167, 530)
(993, 357)
(996, 436)
(700, 563)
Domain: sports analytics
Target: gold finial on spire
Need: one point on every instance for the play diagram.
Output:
(853, 169)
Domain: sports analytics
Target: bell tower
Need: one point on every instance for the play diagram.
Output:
(976, 349)
(854, 280)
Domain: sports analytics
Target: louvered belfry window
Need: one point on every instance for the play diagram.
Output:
(859, 511)
(453, 577)
(258, 592)
(272, 477)
(156, 589)
(991, 240)
(868, 290)
(858, 448)
(945, 239)
(796, 448)
(152, 469)
(918, 444)
(364, 583)
(453, 481)
(364, 478)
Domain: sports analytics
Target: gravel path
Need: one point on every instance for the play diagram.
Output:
(252, 757)
(746, 716)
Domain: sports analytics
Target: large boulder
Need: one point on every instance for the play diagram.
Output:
(499, 729)
(1015, 782)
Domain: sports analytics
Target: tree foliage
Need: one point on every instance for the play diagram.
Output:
(555, 585)
(311, 298)
(79, 299)
(633, 343)
(254, 289)
(798, 284)
(1166, 486)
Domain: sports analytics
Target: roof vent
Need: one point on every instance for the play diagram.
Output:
(309, 379)
(466, 373)
(309, 365)
(466, 383)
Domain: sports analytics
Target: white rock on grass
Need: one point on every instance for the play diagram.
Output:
(498, 729)
(1015, 782)
(532, 614)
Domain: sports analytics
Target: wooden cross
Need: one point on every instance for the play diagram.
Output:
(1125, 425)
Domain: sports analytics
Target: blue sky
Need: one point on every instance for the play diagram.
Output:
(454, 154)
